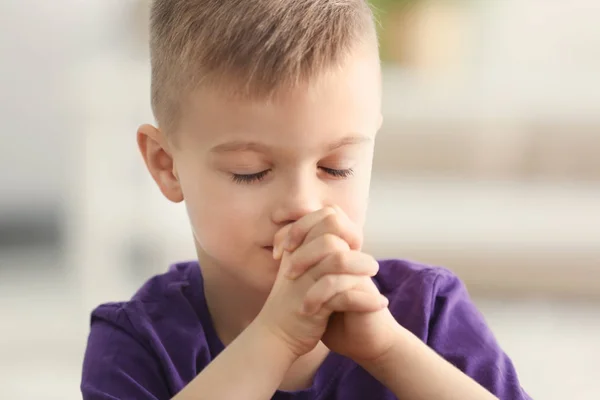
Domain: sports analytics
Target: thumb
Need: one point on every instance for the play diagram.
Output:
(278, 241)
(284, 265)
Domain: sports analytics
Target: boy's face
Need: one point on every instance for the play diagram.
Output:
(246, 169)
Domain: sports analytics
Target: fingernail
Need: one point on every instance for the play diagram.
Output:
(384, 301)
(289, 244)
(276, 252)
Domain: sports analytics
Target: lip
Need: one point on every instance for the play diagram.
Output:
(270, 248)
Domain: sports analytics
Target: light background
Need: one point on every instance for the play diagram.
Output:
(488, 163)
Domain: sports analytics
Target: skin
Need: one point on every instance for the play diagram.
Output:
(277, 194)
(373, 339)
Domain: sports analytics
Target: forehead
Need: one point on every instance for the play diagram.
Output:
(337, 102)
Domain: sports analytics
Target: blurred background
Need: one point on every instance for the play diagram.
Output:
(488, 163)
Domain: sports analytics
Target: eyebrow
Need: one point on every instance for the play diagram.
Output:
(241, 145)
(349, 140)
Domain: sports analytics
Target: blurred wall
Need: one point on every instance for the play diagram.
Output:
(487, 163)
(487, 100)
(488, 158)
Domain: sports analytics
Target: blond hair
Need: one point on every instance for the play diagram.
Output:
(251, 48)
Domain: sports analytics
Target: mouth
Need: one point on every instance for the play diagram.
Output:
(270, 248)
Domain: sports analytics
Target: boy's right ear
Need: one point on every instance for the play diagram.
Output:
(159, 161)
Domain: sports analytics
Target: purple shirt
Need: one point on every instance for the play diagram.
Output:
(152, 346)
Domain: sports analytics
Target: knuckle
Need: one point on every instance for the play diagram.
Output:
(332, 223)
(346, 297)
(330, 242)
(329, 282)
(329, 210)
(339, 261)
(295, 231)
(333, 243)
(357, 241)
(374, 264)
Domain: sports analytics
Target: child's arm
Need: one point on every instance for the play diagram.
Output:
(251, 367)
(119, 366)
(413, 371)
(460, 358)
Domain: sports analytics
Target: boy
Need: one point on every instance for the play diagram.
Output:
(267, 112)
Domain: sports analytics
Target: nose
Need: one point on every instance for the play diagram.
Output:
(296, 200)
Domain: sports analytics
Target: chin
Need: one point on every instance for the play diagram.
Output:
(265, 277)
(258, 270)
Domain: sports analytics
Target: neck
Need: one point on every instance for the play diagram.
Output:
(230, 314)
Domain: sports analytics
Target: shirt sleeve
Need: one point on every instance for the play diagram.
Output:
(116, 364)
(458, 332)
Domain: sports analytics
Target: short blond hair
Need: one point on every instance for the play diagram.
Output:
(252, 48)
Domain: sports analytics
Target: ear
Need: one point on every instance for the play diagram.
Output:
(159, 162)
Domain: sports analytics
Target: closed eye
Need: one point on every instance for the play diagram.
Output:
(250, 178)
(259, 176)
(339, 173)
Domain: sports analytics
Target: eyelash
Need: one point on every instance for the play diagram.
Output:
(339, 173)
(250, 178)
(259, 176)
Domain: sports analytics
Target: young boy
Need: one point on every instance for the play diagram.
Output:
(267, 112)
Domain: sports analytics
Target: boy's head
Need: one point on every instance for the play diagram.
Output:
(267, 110)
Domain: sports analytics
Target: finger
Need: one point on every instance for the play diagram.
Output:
(300, 228)
(284, 266)
(326, 288)
(280, 236)
(356, 301)
(342, 262)
(330, 286)
(338, 224)
(286, 238)
(314, 252)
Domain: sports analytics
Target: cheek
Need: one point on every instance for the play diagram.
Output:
(355, 210)
(221, 218)
(354, 201)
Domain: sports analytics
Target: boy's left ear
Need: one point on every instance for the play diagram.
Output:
(159, 161)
